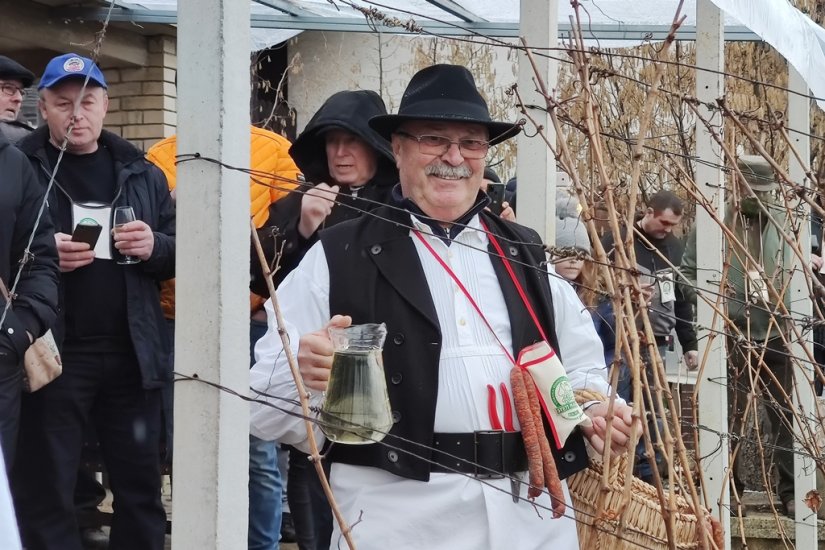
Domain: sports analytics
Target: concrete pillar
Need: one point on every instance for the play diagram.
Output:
(712, 383)
(212, 319)
(799, 119)
(536, 168)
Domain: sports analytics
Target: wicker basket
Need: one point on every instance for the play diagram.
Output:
(598, 513)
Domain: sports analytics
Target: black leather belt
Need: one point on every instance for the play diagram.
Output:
(482, 454)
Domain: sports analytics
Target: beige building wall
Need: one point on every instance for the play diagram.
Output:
(142, 100)
(328, 62)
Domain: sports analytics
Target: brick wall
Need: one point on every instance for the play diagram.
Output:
(142, 99)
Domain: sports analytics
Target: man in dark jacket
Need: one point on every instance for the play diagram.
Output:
(116, 349)
(658, 252)
(34, 308)
(14, 79)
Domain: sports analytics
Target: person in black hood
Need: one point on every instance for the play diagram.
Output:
(349, 169)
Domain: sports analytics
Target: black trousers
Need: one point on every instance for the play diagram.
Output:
(308, 504)
(744, 365)
(106, 390)
(11, 385)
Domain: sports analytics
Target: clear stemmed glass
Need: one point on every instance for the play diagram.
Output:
(124, 215)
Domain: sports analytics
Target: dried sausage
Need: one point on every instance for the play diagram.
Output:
(551, 474)
(521, 401)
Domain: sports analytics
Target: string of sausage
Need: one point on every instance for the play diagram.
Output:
(540, 461)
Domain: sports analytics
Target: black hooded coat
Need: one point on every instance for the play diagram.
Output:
(350, 111)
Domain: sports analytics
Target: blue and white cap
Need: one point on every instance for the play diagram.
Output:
(71, 65)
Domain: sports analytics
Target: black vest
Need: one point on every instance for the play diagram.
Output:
(376, 276)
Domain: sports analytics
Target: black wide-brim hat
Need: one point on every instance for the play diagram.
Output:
(444, 93)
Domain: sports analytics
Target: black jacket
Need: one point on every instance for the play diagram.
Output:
(14, 130)
(376, 276)
(21, 197)
(142, 186)
(671, 248)
(348, 110)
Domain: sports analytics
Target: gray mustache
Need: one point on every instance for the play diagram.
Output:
(447, 171)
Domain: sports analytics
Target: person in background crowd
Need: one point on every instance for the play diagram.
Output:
(116, 348)
(275, 174)
(440, 356)
(571, 260)
(658, 255)
(817, 264)
(507, 211)
(757, 346)
(350, 170)
(510, 190)
(34, 309)
(14, 79)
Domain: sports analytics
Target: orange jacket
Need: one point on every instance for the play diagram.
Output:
(269, 153)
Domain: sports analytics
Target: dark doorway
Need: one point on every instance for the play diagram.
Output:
(269, 106)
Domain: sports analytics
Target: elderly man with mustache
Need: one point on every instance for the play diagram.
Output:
(455, 321)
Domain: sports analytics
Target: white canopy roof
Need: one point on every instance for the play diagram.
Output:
(612, 22)
(274, 21)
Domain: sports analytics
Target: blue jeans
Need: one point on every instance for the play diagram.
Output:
(265, 484)
(624, 389)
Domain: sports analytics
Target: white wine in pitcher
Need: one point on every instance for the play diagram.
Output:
(356, 408)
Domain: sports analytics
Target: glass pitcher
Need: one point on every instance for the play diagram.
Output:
(356, 407)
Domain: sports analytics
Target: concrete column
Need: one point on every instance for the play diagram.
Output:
(212, 319)
(536, 167)
(799, 118)
(712, 383)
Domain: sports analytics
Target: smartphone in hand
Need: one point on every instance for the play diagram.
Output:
(86, 233)
(496, 193)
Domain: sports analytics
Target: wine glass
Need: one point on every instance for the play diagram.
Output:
(124, 215)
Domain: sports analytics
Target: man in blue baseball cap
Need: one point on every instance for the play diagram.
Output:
(115, 345)
(66, 79)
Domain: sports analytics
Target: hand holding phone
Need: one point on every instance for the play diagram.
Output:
(496, 193)
(86, 233)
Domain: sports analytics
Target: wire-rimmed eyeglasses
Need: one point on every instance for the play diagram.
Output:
(438, 145)
(10, 89)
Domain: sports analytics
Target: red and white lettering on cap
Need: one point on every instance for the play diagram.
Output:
(73, 65)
